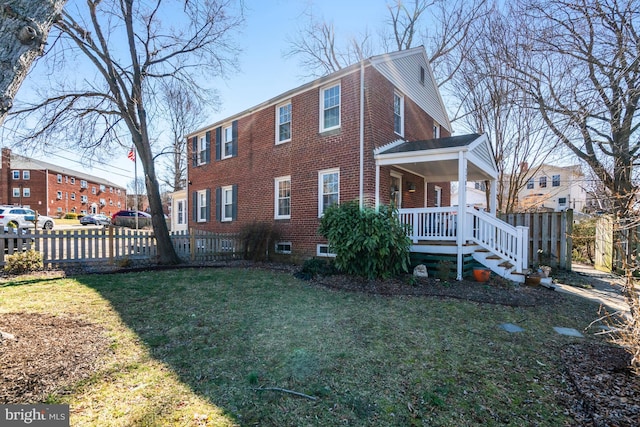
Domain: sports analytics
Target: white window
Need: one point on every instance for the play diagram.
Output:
(26, 192)
(180, 212)
(398, 114)
(543, 182)
(283, 123)
(438, 201)
(227, 142)
(202, 150)
(283, 197)
(16, 192)
(119, 204)
(110, 189)
(59, 195)
(330, 108)
(103, 188)
(66, 179)
(110, 202)
(555, 181)
(83, 212)
(436, 130)
(26, 174)
(93, 190)
(73, 180)
(283, 247)
(396, 190)
(530, 183)
(202, 206)
(73, 196)
(118, 191)
(103, 202)
(59, 178)
(16, 174)
(328, 189)
(83, 183)
(324, 251)
(84, 199)
(59, 209)
(562, 201)
(227, 204)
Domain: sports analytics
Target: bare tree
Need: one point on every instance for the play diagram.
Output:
(131, 51)
(183, 113)
(24, 28)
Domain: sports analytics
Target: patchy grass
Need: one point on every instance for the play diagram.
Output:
(191, 347)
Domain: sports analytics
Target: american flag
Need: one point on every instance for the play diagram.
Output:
(132, 154)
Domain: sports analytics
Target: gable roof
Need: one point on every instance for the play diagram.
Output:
(22, 162)
(401, 68)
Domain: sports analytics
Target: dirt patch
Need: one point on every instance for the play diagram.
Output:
(48, 354)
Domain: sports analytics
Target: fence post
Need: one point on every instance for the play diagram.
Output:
(111, 244)
(192, 244)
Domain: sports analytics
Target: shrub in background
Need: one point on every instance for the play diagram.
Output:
(23, 262)
(584, 240)
(366, 242)
(71, 215)
(258, 239)
(314, 267)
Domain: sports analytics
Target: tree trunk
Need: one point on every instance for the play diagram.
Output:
(24, 27)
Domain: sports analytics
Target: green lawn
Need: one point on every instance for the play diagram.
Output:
(193, 347)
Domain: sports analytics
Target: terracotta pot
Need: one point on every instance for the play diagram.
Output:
(481, 274)
(532, 280)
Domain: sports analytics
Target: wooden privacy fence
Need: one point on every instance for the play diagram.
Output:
(550, 241)
(111, 244)
(614, 239)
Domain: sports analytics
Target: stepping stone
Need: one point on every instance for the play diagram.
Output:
(511, 328)
(568, 331)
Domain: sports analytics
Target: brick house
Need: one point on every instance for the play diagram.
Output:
(54, 190)
(376, 131)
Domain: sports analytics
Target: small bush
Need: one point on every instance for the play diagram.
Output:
(444, 270)
(23, 262)
(71, 215)
(316, 267)
(366, 242)
(258, 239)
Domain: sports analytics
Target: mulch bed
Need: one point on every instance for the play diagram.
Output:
(48, 354)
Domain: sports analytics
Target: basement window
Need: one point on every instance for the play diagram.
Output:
(323, 251)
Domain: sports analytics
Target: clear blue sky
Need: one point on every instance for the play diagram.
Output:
(264, 72)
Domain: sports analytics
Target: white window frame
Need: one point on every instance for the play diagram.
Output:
(227, 132)
(321, 175)
(276, 207)
(73, 180)
(554, 182)
(323, 108)
(560, 204)
(226, 201)
(59, 178)
(202, 149)
(16, 192)
(59, 195)
(103, 188)
(93, 190)
(73, 196)
(16, 174)
(280, 123)
(322, 250)
(26, 175)
(531, 183)
(398, 176)
(542, 182)
(84, 199)
(181, 211)
(83, 184)
(26, 192)
(202, 206)
(436, 130)
(438, 196)
(398, 96)
(281, 247)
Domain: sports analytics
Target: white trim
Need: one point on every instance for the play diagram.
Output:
(388, 146)
(223, 202)
(401, 97)
(282, 251)
(437, 196)
(202, 203)
(276, 205)
(278, 124)
(326, 254)
(398, 176)
(223, 143)
(321, 108)
(201, 148)
(320, 188)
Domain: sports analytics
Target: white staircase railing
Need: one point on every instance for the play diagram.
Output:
(435, 224)
(508, 242)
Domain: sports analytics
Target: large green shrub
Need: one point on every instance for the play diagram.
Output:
(366, 242)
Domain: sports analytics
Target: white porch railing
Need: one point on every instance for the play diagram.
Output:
(487, 231)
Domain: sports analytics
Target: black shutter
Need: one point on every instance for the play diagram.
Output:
(218, 204)
(194, 208)
(234, 138)
(208, 214)
(194, 151)
(218, 143)
(207, 152)
(234, 198)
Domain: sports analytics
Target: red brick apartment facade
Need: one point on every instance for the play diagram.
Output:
(55, 190)
(285, 160)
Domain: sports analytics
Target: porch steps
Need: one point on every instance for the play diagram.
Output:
(498, 265)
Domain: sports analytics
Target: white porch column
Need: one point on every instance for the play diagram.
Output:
(462, 209)
(377, 186)
(493, 208)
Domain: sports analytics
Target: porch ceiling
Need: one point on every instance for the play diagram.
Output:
(437, 159)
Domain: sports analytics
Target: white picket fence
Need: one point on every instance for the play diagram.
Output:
(113, 244)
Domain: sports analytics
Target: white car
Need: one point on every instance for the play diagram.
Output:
(19, 217)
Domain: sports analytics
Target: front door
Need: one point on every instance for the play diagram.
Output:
(396, 190)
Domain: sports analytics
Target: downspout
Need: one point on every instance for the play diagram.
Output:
(46, 192)
(361, 195)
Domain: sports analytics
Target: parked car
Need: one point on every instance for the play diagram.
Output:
(132, 214)
(96, 219)
(19, 217)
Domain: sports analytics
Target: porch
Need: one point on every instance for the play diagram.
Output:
(459, 230)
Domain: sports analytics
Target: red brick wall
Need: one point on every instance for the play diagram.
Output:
(260, 160)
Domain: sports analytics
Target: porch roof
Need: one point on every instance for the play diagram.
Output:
(437, 159)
